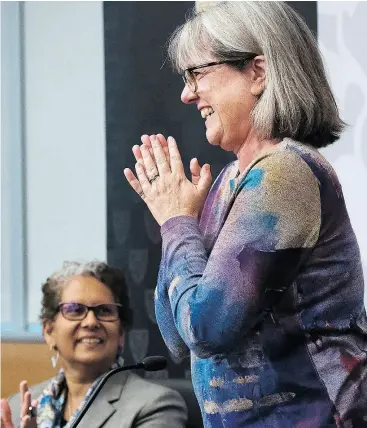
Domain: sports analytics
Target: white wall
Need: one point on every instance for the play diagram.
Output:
(342, 34)
(64, 138)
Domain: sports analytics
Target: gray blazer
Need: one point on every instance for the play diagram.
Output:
(125, 401)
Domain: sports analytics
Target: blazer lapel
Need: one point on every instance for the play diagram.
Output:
(102, 407)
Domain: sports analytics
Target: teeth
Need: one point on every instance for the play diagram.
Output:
(89, 340)
(207, 111)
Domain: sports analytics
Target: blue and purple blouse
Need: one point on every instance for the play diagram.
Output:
(265, 293)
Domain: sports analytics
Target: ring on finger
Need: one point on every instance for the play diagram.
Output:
(32, 411)
(153, 178)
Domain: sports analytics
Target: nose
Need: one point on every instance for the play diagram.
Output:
(90, 320)
(188, 96)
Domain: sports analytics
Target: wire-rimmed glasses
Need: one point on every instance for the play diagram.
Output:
(188, 75)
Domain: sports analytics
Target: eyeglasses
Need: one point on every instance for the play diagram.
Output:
(189, 77)
(74, 311)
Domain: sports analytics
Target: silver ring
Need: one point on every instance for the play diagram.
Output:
(32, 411)
(153, 178)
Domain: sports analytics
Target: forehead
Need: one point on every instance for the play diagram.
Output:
(192, 48)
(86, 289)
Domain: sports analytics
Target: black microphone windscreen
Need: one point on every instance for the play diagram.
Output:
(154, 363)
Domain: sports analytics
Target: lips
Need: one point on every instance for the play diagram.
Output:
(90, 340)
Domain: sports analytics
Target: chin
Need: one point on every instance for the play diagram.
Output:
(94, 358)
(212, 138)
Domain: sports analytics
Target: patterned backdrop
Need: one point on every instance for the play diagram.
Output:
(143, 96)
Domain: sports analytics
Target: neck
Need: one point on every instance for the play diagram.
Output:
(79, 379)
(77, 387)
(252, 148)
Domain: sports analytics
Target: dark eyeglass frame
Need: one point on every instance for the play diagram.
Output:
(94, 309)
(187, 74)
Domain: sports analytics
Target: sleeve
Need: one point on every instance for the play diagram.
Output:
(164, 317)
(167, 409)
(271, 227)
(163, 311)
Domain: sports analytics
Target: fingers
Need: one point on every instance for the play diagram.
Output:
(195, 171)
(25, 421)
(145, 139)
(150, 167)
(164, 145)
(137, 153)
(134, 182)
(140, 182)
(26, 399)
(6, 421)
(23, 387)
(159, 156)
(174, 155)
(205, 179)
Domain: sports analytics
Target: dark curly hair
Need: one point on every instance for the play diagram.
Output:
(111, 277)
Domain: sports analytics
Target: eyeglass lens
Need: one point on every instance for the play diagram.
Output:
(78, 311)
(189, 80)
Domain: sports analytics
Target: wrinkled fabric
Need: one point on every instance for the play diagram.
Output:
(265, 293)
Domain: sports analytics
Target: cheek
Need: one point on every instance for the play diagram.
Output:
(114, 334)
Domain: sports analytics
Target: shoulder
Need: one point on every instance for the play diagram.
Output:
(155, 405)
(285, 166)
(150, 390)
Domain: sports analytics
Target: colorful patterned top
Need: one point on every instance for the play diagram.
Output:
(266, 293)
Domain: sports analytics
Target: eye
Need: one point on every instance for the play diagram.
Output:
(106, 309)
(197, 74)
(73, 308)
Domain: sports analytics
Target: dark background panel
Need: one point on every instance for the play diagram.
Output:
(143, 96)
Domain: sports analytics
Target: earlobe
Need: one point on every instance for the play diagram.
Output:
(257, 88)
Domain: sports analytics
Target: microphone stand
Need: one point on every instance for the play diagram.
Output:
(150, 364)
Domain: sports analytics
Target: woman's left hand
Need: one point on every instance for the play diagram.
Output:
(162, 183)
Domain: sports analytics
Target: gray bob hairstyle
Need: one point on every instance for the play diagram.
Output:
(111, 277)
(297, 101)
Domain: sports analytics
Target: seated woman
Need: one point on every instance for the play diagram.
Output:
(85, 314)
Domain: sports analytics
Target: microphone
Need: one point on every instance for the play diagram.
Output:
(149, 364)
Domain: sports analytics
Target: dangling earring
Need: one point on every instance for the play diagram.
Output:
(54, 358)
(119, 358)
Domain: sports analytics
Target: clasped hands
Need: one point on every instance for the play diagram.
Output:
(27, 419)
(161, 181)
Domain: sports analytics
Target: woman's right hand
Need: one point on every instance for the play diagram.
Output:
(26, 420)
(195, 167)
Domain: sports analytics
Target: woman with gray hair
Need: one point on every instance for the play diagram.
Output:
(85, 316)
(260, 279)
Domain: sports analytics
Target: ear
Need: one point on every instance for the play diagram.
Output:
(48, 332)
(258, 75)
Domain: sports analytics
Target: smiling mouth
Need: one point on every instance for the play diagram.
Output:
(90, 341)
(206, 112)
